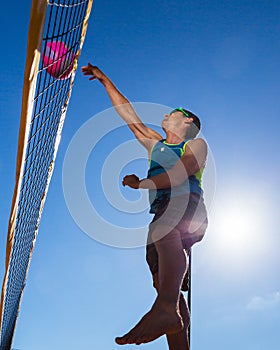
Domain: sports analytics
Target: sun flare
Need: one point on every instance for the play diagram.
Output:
(238, 228)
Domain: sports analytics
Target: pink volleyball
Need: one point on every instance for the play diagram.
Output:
(58, 60)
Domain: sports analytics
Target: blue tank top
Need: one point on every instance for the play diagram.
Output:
(163, 157)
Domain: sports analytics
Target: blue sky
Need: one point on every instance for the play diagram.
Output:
(219, 59)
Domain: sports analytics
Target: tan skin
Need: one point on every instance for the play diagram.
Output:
(169, 314)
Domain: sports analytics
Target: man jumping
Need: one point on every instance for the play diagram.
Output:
(180, 219)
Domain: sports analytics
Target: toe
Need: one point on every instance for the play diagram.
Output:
(120, 340)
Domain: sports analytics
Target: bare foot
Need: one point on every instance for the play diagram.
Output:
(158, 321)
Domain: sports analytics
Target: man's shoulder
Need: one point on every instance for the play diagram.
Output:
(195, 146)
(198, 141)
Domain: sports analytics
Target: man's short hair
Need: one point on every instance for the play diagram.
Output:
(190, 114)
(195, 118)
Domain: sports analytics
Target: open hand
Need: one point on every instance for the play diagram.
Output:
(93, 71)
(132, 181)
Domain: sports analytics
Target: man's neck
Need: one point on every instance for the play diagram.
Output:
(173, 138)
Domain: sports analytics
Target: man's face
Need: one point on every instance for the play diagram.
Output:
(175, 121)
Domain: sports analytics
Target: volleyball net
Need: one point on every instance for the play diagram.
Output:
(45, 100)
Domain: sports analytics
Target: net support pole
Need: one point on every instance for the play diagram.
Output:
(190, 293)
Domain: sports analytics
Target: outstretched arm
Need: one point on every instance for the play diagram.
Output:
(144, 134)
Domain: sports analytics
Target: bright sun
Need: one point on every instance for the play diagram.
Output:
(238, 228)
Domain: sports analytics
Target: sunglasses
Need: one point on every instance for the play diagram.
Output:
(181, 110)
